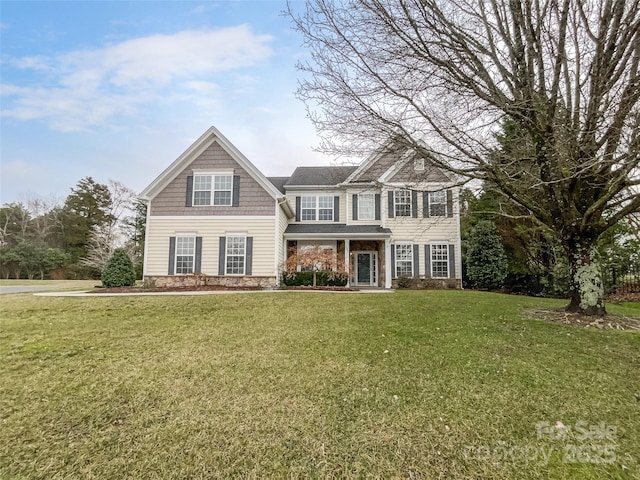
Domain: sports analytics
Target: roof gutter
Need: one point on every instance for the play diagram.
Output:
(282, 202)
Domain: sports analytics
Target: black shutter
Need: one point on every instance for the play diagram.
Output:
(221, 255)
(336, 209)
(172, 255)
(248, 257)
(427, 261)
(298, 204)
(425, 204)
(354, 204)
(236, 191)
(393, 261)
(189, 199)
(416, 261)
(452, 261)
(377, 206)
(414, 204)
(197, 264)
(390, 214)
(449, 203)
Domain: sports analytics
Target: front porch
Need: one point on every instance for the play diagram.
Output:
(364, 251)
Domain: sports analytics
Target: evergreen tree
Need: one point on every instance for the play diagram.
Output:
(119, 271)
(486, 261)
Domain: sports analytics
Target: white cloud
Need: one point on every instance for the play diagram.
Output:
(85, 88)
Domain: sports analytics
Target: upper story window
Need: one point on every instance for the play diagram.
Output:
(320, 208)
(185, 254)
(366, 206)
(418, 164)
(212, 189)
(402, 203)
(438, 204)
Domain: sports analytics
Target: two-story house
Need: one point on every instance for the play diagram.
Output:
(212, 212)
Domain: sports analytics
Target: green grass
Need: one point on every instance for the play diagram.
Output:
(298, 384)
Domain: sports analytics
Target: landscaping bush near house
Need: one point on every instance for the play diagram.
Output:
(323, 279)
(413, 283)
(119, 271)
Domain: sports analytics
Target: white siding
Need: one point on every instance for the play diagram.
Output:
(282, 226)
(423, 231)
(291, 197)
(210, 229)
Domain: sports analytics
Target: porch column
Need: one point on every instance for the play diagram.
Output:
(346, 261)
(387, 263)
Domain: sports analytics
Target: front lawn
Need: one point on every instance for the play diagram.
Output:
(409, 385)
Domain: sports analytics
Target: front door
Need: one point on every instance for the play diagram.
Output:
(366, 268)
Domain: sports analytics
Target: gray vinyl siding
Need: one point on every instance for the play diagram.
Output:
(409, 175)
(253, 199)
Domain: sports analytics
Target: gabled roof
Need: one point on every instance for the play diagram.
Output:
(319, 176)
(194, 151)
(393, 158)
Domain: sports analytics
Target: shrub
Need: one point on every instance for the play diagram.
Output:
(119, 270)
(486, 261)
(323, 279)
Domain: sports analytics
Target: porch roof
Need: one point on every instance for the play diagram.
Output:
(335, 230)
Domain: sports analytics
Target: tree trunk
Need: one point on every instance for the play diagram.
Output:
(587, 290)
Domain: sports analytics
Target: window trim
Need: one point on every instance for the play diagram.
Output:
(226, 254)
(179, 236)
(419, 165)
(396, 204)
(316, 208)
(397, 260)
(433, 260)
(432, 203)
(212, 190)
(373, 206)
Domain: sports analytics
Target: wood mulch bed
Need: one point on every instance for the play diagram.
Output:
(611, 322)
(205, 288)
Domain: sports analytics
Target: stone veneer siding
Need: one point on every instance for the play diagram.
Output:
(203, 280)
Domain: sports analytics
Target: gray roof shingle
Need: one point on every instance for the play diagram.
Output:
(336, 228)
(278, 182)
(320, 175)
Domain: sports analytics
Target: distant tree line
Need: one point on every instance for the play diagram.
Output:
(71, 239)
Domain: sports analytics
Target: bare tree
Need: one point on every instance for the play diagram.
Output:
(441, 76)
(105, 238)
(315, 259)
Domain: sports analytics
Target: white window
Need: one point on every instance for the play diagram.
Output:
(404, 260)
(218, 188)
(325, 208)
(202, 189)
(185, 254)
(222, 190)
(402, 203)
(308, 206)
(312, 208)
(418, 164)
(366, 206)
(440, 260)
(235, 255)
(438, 204)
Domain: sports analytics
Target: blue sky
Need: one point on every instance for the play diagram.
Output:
(119, 89)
